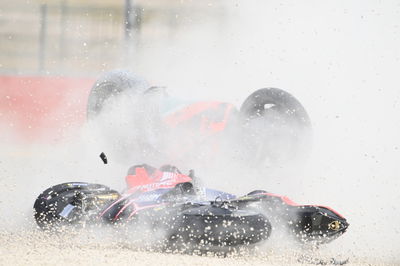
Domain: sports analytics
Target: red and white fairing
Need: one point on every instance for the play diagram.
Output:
(144, 187)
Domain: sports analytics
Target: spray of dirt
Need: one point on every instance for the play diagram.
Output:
(339, 60)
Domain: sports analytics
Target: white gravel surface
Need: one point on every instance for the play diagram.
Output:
(341, 59)
(37, 248)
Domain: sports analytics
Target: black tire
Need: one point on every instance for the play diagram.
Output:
(112, 84)
(212, 227)
(287, 105)
(277, 127)
(50, 204)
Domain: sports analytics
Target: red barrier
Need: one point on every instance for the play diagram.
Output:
(34, 106)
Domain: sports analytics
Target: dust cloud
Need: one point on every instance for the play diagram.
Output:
(340, 59)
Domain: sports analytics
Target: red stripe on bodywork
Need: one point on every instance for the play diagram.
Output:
(137, 209)
(113, 204)
(283, 198)
(131, 202)
(188, 112)
(288, 201)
